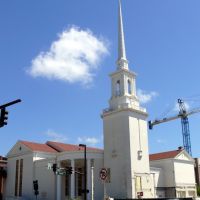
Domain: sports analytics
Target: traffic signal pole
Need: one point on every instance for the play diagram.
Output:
(4, 112)
(10, 103)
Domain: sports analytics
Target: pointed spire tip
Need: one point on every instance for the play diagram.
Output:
(122, 61)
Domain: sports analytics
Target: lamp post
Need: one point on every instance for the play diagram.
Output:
(85, 171)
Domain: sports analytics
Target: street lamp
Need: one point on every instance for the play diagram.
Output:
(85, 171)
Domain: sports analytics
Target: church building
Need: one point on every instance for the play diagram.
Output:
(122, 170)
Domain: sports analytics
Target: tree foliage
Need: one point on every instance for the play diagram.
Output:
(198, 190)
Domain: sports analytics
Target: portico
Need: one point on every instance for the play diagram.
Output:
(72, 185)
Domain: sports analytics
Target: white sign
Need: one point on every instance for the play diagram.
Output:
(49, 166)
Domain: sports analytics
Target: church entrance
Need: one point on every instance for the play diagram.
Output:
(78, 181)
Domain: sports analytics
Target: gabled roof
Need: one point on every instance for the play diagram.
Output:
(38, 147)
(165, 155)
(61, 147)
(55, 147)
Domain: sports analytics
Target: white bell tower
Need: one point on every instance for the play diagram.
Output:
(125, 133)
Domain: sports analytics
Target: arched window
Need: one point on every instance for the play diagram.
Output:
(129, 86)
(117, 88)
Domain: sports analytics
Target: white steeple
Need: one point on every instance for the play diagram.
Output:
(125, 133)
(123, 80)
(122, 62)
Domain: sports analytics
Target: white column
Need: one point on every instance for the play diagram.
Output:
(89, 178)
(92, 180)
(58, 187)
(72, 191)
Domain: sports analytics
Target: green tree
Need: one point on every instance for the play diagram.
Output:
(198, 190)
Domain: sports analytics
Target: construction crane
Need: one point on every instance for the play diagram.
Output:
(183, 115)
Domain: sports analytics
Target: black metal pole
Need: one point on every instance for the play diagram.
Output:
(10, 103)
(85, 170)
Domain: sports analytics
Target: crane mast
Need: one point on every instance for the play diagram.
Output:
(185, 127)
(183, 115)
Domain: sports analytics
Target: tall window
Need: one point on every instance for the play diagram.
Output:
(117, 89)
(129, 86)
(18, 177)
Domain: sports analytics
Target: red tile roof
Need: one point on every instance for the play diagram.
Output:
(61, 147)
(38, 147)
(53, 147)
(164, 155)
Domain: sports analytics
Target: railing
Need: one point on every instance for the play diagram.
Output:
(125, 105)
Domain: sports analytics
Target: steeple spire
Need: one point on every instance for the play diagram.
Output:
(123, 80)
(122, 62)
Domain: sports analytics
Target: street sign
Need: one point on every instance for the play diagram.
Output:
(103, 174)
(61, 172)
(140, 194)
(49, 166)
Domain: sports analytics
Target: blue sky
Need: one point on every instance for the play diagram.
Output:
(162, 43)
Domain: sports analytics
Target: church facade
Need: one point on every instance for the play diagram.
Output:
(131, 172)
(30, 161)
(171, 174)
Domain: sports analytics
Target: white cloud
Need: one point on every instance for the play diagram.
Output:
(160, 141)
(56, 137)
(146, 97)
(88, 140)
(72, 58)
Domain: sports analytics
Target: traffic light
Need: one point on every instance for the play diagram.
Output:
(69, 170)
(4, 117)
(3, 172)
(35, 187)
(83, 191)
(54, 167)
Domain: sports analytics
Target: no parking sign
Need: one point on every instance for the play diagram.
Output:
(104, 174)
